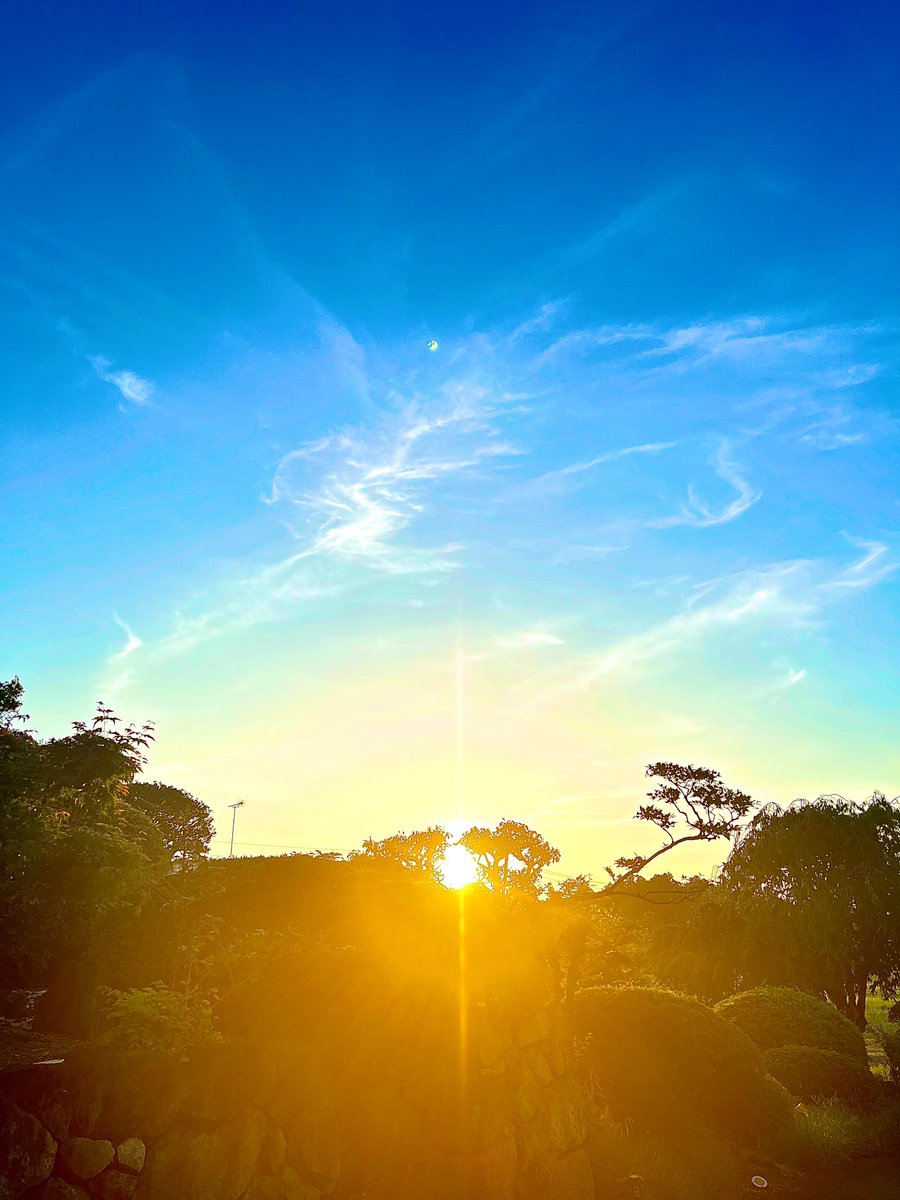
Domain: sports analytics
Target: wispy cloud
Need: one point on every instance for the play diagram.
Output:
(131, 387)
(698, 513)
(118, 670)
(631, 218)
(786, 595)
(874, 566)
(527, 639)
(373, 484)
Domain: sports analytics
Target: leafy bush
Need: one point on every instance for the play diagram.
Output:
(156, 1018)
(663, 1060)
(811, 1074)
(887, 1037)
(777, 1016)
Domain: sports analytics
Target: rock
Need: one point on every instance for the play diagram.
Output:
(114, 1185)
(568, 1124)
(86, 1157)
(493, 1172)
(58, 1189)
(140, 1093)
(130, 1154)
(527, 1095)
(265, 1187)
(27, 1152)
(204, 1166)
(535, 1027)
(296, 1189)
(570, 1178)
(272, 1155)
(40, 1089)
(492, 1041)
(543, 1072)
(226, 1082)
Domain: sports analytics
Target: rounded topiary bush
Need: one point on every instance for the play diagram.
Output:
(778, 1016)
(811, 1074)
(664, 1061)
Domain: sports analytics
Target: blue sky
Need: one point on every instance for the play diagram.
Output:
(641, 501)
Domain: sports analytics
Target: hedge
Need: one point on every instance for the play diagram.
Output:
(779, 1016)
(664, 1060)
(811, 1074)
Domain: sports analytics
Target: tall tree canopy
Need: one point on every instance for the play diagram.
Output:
(833, 867)
(510, 857)
(689, 804)
(419, 851)
(185, 823)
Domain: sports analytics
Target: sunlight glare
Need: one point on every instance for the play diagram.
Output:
(457, 867)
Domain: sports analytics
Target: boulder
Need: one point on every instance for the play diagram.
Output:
(27, 1152)
(534, 1027)
(130, 1155)
(59, 1189)
(215, 1165)
(296, 1189)
(265, 1187)
(86, 1157)
(114, 1185)
(570, 1178)
(272, 1155)
(568, 1122)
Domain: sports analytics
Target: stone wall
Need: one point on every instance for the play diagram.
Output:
(498, 1117)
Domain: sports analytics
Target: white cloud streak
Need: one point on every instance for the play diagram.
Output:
(131, 387)
(698, 513)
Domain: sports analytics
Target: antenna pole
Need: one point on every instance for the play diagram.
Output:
(234, 808)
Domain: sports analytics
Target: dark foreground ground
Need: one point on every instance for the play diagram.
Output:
(875, 1178)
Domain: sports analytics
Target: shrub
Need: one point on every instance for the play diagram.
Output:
(156, 1018)
(887, 1037)
(663, 1060)
(811, 1074)
(777, 1016)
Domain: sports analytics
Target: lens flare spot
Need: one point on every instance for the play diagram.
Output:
(457, 868)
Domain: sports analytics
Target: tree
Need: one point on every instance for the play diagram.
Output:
(690, 804)
(419, 851)
(185, 823)
(832, 867)
(73, 852)
(510, 857)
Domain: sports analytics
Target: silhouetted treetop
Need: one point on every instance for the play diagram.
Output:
(689, 804)
(510, 857)
(420, 850)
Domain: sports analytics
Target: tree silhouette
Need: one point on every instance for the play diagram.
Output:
(689, 804)
(185, 822)
(833, 867)
(510, 857)
(419, 851)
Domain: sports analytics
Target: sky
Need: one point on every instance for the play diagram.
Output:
(640, 503)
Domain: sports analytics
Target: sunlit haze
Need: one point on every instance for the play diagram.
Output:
(429, 417)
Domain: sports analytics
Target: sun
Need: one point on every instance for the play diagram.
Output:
(457, 867)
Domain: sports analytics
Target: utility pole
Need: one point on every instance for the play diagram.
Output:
(234, 808)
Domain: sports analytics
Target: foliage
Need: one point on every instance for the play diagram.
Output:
(185, 823)
(687, 1165)
(835, 865)
(75, 854)
(690, 804)
(661, 1059)
(11, 693)
(811, 1074)
(158, 1019)
(510, 858)
(776, 1016)
(887, 1037)
(419, 851)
